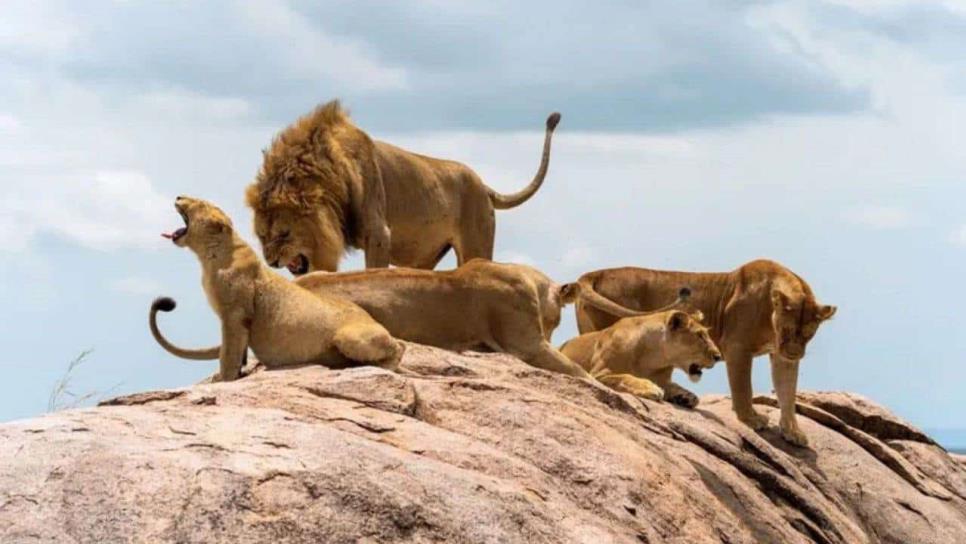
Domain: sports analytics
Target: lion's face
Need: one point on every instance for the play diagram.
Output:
(205, 225)
(689, 343)
(298, 240)
(795, 320)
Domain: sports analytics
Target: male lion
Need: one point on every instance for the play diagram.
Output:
(649, 348)
(481, 305)
(762, 307)
(282, 323)
(324, 185)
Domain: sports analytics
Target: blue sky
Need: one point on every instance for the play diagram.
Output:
(695, 135)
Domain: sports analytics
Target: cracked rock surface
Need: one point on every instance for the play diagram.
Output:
(467, 448)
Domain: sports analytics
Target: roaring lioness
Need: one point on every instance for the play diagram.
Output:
(281, 322)
(648, 347)
(324, 186)
(762, 307)
(481, 305)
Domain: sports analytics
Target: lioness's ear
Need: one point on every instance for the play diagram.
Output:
(215, 227)
(779, 299)
(676, 321)
(825, 312)
(568, 293)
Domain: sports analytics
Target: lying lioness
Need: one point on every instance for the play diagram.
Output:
(282, 323)
(648, 347)
(762, 307)
(481, 305)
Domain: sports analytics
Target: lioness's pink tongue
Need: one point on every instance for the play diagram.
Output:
(174, 234)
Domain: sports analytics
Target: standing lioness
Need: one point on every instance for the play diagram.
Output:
(324, 185)
(762, 307)
(281, 322)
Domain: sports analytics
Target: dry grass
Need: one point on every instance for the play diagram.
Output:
(62, 397)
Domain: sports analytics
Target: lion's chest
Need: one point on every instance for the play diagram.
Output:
(211, 293)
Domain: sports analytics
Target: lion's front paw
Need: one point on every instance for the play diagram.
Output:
(683, 397)
(650, 392)
(793, 435)
(754, 420)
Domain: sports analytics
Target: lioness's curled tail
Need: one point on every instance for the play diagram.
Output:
(584, 292)
(503, 202)
(166, 304)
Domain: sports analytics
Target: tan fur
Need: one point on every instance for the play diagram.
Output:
(282, 323)
(325, 186)
(762, 307)
(647, 349)
(481, 305)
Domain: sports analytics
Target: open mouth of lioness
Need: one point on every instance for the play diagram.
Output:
(177, 234)
(298, 265)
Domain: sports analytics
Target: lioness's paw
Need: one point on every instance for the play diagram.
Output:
(683, 397)
(754, 420)
(652, 392)
(793, 435)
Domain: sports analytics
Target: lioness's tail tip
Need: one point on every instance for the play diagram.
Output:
(684, 293)
(553, 120)
(164, 304)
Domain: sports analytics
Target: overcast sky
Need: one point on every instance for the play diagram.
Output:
(695, 135)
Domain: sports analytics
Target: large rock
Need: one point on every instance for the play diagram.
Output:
(466, 448)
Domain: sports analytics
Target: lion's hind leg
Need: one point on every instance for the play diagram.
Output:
(476, 232)
(369, 343)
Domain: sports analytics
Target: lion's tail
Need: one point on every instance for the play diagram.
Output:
(166, 304)
(503, 202)
(583, 291)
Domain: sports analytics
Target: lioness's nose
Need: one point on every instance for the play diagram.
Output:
(716, 357)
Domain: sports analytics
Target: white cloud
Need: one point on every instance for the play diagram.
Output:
(8, 124)
(874, 6)
(671, 146)
(958, 236)
(136, 285)
(311, 53)
(105, 211)
(14, 234)
(193, 106)
(36, 27)
(514, 257)
(879, 217)
(578, 257)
